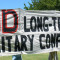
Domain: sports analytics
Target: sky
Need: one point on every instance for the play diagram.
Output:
(12, 4)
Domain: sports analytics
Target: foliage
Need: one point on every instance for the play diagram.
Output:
(43, 5)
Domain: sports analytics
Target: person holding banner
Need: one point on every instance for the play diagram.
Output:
(17, 57)
(53, 55)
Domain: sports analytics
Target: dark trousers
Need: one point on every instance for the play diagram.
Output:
(53, 55)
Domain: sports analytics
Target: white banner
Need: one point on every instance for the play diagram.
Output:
(29, 31)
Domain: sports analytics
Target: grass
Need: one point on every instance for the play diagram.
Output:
(31, 57)
(35, 57)
(6, 58)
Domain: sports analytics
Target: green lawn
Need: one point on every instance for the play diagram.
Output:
(31, 57)
(35, 57)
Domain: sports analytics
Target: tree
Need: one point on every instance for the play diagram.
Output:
(43, 5)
